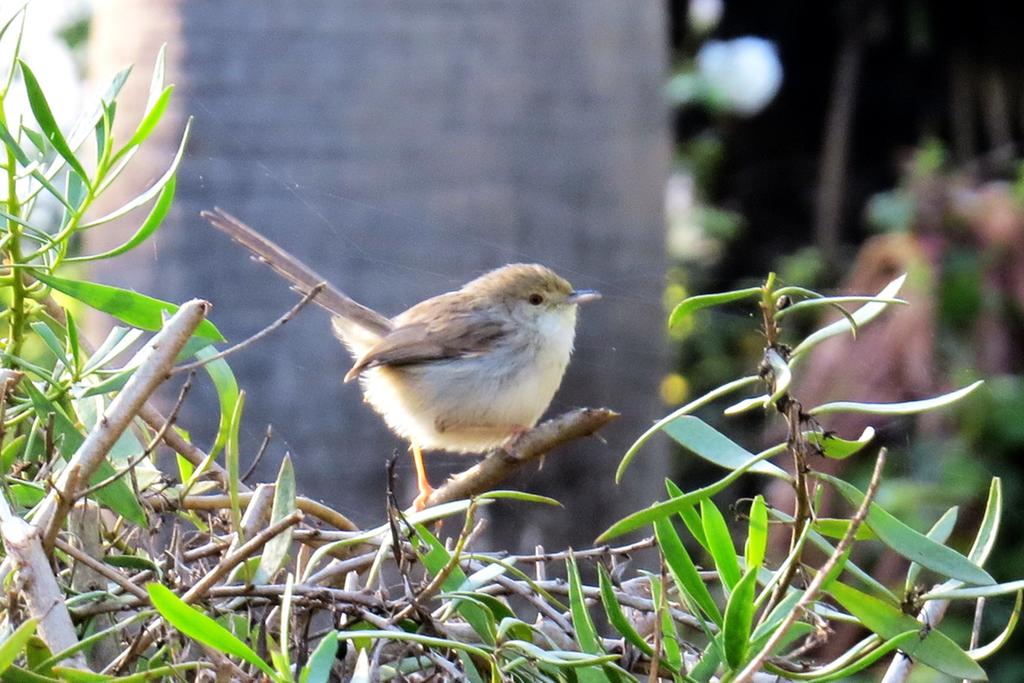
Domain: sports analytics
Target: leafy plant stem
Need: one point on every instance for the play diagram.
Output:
(17, 319)
(824, 574)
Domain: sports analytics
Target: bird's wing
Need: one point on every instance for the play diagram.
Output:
(302, 277)
(425, 341)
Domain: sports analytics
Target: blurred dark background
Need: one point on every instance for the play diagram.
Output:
(649, 149)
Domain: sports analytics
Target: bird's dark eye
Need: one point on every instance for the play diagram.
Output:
(536, 299)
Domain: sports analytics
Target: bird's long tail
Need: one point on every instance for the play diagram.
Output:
(302, 277)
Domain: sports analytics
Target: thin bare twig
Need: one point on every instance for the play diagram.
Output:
(223, 501)
(200, 588)
(103, 570)
(259, 453)
(531, 446)
(242, 553)
(812, 590)
(292, 312)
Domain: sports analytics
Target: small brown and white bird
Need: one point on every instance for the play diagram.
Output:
(464, 371)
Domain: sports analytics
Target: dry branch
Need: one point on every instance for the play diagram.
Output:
(156, 359)
(504, 462)
(43, 596)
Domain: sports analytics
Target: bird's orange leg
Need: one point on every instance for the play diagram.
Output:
(422, 483)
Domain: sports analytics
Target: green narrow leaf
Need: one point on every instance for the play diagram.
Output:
(679, 503)
(11, 144)
(50, 339)
(695, 303)
(44, 117)
(837, 528)
(231, 455)
(689, 515)
(138, 310)
(435, 559)
(933, 647)
(904, 408)
(226, 385)
(152, 117)
(616, 617)
(821, 543)
(318, 668)
(152, 191)
(117, 341)
(833, 447)
(911, 543)
(72, 348)
(939, 533)
(836, 301)
(705, 441)
(861, 316)
(12, 646)
(586, 634)
(684, 571)
(716, 530)
(898, 642)
(975, 591)
(275, 552)
(757, 534)
(202, 628)
(37, 139)
(693, 405)
(989, 528)
(149, 226)
(997, 643)
(739, 620)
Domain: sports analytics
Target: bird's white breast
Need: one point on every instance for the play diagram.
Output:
(475, 403)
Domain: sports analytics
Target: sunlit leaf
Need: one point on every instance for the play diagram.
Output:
(861, 316)
(148, 227)
(903, 408)
(677, 504)
(693, 405)
(44, 117)
(703, 440)
(684, 571)
(757, 533)
(719, 540)
(832, 446)
(939, 533)
(202, 628)
(14, 643)
(933, 647)
(136, 309)
(275, 552)
(739, 619)
(695, 303)
(913, 544)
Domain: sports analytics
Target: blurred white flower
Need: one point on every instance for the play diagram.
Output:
(704, 15)
(685, 238)
(743, 74)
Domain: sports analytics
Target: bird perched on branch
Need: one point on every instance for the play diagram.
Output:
(464, 371)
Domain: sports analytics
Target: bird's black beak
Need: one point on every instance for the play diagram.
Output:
(582, 296)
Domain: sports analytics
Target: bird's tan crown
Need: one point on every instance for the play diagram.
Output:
(519, 280)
